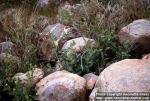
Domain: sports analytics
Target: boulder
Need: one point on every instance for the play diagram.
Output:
(135, 30)
(60, 33)
(11, 48)
(30, 77)
(53, 37)
(129, 75)
(78, 44)
(61, 86)
(55, 31)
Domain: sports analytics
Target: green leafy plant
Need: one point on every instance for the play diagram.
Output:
(9, 67)
(95, 59)
(107, 40)
(14, 89)
(81, 63)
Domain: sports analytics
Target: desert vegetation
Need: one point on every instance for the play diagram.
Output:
(100, 20)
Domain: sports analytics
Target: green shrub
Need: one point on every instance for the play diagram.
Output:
(8, 68)
(13, 89)
(95, 60)
(81, 63)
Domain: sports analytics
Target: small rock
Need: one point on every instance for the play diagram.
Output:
(61, 86)
(11, 48)
(58, 66)
(90, 80)
(21, 77)
(30, 77)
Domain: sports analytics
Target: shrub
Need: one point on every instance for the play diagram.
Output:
(13, 89)
(81, 63)
(8, 68)
(95, 60)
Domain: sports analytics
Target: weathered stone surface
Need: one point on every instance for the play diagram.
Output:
(30, 77)
(53, 37)
(11, 48)
(78, 44)
(60, 33)
(135, 30)
(55, 31)
(129, 75)
(61, 86)
(90, 80)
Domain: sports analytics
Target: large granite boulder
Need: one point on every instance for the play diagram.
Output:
(53, 37)
(129, 75)
(61, 86)
(135, 30)
(137, 35)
